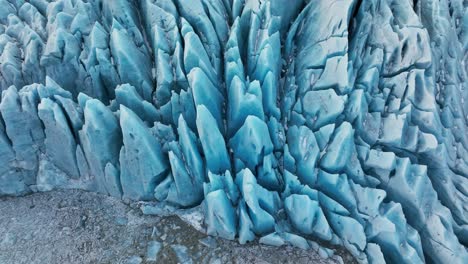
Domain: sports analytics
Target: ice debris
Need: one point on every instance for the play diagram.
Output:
(341, 121)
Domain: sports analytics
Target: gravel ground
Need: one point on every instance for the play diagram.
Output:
(80, 227)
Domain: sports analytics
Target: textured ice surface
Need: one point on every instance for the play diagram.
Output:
(343, 121)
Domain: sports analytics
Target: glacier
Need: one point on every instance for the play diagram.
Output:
(343, 122)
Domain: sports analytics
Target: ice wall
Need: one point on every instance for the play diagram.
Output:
(338, 121)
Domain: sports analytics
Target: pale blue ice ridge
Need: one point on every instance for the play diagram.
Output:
(338, 121)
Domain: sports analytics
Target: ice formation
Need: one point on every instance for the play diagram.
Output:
(342, 121)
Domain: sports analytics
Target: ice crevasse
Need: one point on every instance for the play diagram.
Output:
(339, 121)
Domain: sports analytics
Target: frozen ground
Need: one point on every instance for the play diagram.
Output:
(82, 227)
